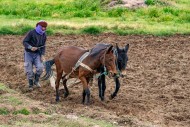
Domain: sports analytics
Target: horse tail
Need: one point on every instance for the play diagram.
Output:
(49, 71)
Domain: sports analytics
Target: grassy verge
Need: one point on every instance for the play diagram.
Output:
(76, 26)
(160, 17)
(17, 110)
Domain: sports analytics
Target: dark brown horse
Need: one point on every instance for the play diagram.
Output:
(121, 63)
(66, 60)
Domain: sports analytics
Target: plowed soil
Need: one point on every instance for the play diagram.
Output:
(155, 91)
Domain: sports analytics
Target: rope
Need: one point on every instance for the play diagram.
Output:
(104, 73)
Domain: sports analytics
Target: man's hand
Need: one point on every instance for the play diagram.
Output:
(34, 48)
(43, 58)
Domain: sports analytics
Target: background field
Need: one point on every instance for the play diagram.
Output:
(160, 17)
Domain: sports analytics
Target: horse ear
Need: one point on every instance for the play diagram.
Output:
(110, 49)
(126, 47)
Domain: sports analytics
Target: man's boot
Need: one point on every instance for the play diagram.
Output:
(30, 81)
(36, 80)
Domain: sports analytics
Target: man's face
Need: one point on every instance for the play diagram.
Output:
(43, 28)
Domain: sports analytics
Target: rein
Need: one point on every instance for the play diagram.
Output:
(119, 72)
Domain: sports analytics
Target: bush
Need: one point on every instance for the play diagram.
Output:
(165, 18)
(6, 30)
(4, 111)
(153, 13)
(172, 11)
(150, 2)
(184, 17)
(49, 31)
(15, 30)
(25, 29)
(93, 5)
(116, 12)
(91, 30)
(83, 13)
(22, 111)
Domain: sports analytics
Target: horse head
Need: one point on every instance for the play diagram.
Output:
(108, 60)
(122, 57)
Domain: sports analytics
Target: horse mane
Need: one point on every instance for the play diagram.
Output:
(97, 48)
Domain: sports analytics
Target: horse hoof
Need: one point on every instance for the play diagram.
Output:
(57, 100)
(66, 95)
(102, 98)
(111, 96)
(82, 102)
(87, 104)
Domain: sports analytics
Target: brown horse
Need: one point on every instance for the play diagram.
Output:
(67, 61)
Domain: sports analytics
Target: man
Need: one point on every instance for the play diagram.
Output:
(34, 44)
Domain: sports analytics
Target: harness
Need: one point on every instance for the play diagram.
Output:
(79, 63)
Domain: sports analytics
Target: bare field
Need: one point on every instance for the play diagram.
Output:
(156, 90)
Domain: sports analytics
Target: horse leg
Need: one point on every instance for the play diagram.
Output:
(117, 86)
(59, 75)
(100, 87)
(103, 86)
(86, 91)
(83, 96)
(66, 93)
